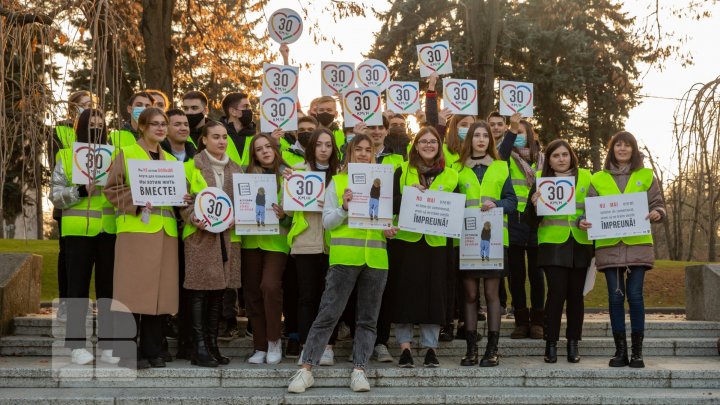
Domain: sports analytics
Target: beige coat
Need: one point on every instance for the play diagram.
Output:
(146, 275)
(204, 268)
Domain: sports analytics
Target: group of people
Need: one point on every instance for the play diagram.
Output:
(151, 262)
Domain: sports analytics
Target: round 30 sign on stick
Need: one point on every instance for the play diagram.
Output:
(214, 208)
(285, 26)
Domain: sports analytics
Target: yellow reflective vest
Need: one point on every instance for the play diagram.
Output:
(490, 188)
(558, 228)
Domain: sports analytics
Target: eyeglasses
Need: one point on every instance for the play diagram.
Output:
(158, 124)
(424, 142)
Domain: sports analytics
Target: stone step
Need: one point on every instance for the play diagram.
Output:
(242, 347)
(591, 372)
(398, 396)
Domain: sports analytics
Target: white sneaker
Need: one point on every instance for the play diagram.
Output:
(300, 381)
(107, 357)
(82, 356)
(382, 354)
(258, 357)
(358, 382)
(328, 357)
(274, 353)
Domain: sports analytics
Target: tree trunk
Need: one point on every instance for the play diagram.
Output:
(484, 38)
(593, 130)
(157, 36)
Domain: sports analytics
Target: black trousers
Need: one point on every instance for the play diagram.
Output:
(311, 272)
(518, 273)
(564, 285)
(183, 314)
(83, 253)
(290, 296)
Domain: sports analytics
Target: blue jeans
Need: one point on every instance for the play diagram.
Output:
(260, 213)
(619, 287)
(374, 207)
(429, 334)
(485, 248)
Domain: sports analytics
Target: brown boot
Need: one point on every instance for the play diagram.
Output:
(522, 324)
(537, 319)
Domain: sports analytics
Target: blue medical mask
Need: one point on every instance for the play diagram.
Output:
(349, 137)
(136, 111)
(462, 133)
(520, 141)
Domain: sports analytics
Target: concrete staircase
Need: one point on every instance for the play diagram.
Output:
(682, 367)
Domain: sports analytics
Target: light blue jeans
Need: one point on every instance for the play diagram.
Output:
(374, 207)
(485, 248)
(428, 334)
(260, 213)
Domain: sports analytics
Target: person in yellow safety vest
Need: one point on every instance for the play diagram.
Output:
(524, 161)
(457, 130)
(160, 99)
(485, 181)
(195, 107)
(358, 258)
(238, 121)
(263, 262)
(146, 247)
(564, 252)
(324, 110)
(209, 257)
(128, 134)
(88, 228)
(378, 133)
(625, 260)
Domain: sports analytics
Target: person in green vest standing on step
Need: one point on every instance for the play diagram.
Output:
(128, 134)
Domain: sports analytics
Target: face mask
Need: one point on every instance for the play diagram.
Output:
(80, 110)
(304, 138)
(94, 136)
(349, 137)
(462, 133)
(325, 118)
(520, 141)
(246, 118)
(194, 119)
(136, 111)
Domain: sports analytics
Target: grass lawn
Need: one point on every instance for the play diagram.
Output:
(664, 285)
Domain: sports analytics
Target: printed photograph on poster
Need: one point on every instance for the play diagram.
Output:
(403, 97)
(431, 212)
(481, 247)
(303, 191)
(336, 77)
(159, 182)
(285, 26)
(362, 105)
(460, 96)
(214, 208)
(516, 97)
(278, 112)
(372, 187)
(434, 58)
(557, 196)
(91, 161)
(254, 196)
(280, 80)
(617, 216)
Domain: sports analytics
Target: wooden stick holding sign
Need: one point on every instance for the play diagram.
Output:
(460, 96)
(304, 191)
(516, 97)
(557, 196)
(91, 163)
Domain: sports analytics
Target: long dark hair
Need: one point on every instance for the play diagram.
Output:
(467, 147)
(204, 133)
(636, 160)
(254, 166)
(311, 159)
(414, 158)
(547, 170)
(82, 127)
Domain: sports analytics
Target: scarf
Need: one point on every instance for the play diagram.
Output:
(522, 156)
(428, 173)
(569, 173)
(218, 167)
(477, 161)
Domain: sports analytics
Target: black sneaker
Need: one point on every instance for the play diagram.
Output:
(292, 350)
(431, 359)
(406, 360)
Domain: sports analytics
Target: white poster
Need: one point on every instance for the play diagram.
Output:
(362, 105)
(214, 208)
(255, 195)
(91, 161)
(372, 187)
(481, 247)
(403, 97)
(303, 191)
(617, 216)
(460, 96)
(434, 58)
(557, 196)
(336, 77)
(285, 26)
(516, 97)
(278, 112)
(373, 73)
(280, 80)
(432, 212)
(159, 182)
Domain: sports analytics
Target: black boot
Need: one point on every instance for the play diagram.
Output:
(573, 354)
(446, 333)
(551, 351)
(490, 358)
(636, 360)
(621, 357)
(212, 326)
(200, 356)
(471, 356)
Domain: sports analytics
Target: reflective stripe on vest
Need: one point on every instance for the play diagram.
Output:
(490, 190)
(639, 181)
(557, 228)
(356, 247)
(519, 183)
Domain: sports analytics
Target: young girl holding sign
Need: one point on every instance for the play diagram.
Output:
(263, 262)
(485, 180)
(625, 260)
(419, 263)
(358, 257)
(564, 253)
(208, 256)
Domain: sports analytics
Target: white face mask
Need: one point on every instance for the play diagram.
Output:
(462, 133)
(80, 110)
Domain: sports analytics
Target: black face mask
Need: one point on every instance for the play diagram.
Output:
(246, 118)
(304, 138)
(325, 118)
(94, 136)
(194, 119)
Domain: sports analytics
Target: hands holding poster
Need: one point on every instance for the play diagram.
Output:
(91, 163)
(336, 77)
(362, 105)
(403, 97)
(482, 240)
(372, 195)
(617, 216)
(285, 26)
(255, 196)
(431, 212)
(556, 196)
(373, 73)
(158, 182)
(304, 191)
(460, 96)
(434, 58)
(213, 208)
(516, 97)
